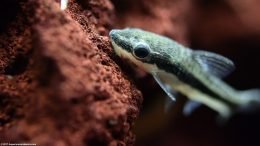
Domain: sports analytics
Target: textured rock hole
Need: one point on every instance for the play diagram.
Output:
(113, 125)
(4, 121)
(75, 101)
(17, 66)
(3, 101)
(8, 11)
(49, 73)
(96, 141)
(6, 111)
(105, 62)
(101, 94)
(84, 4)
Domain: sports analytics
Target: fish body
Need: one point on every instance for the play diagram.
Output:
(196, 74)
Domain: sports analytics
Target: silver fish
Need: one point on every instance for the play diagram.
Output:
(195, 74)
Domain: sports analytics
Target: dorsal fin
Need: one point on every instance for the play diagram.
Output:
(213, 63)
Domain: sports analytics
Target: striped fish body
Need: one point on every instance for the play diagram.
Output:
(195, 74)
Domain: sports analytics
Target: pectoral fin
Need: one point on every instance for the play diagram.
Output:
(166, 87)
(190, 106)
(168, 104)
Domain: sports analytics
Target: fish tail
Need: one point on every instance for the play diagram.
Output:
(250, 100)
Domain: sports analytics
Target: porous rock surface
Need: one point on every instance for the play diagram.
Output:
(59, 83)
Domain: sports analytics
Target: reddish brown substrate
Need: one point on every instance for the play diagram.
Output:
(58, 83)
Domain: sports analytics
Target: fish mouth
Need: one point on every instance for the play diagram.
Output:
(119, 40)
(115, 38)
(114, 34)
(116, 48)
(120, 51)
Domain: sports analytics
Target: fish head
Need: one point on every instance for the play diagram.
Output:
(143, 48)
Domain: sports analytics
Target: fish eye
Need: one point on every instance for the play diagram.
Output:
(141, 51)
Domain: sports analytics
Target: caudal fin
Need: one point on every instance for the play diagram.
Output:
(251, 96)
(250, 100)
(249, 103)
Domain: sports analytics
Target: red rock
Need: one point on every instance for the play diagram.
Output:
(66, 90)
